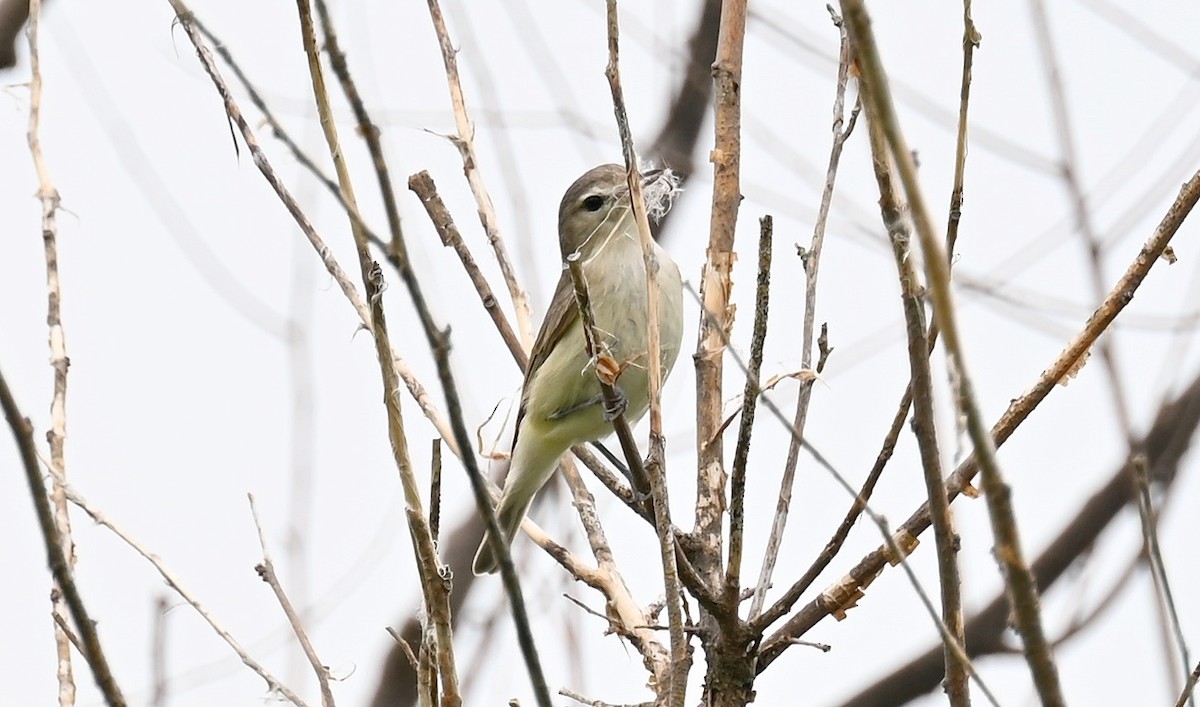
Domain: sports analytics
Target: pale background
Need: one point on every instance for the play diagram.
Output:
(181, 271)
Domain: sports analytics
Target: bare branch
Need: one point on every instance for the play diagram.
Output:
(1154, 557)
(1068, 166)
(434, 585)
(970, 42)
(57, 435)
(892, 207)
(741, 454)
(1189, 687)
(266, 570)
(625, 617)
(465, 142)
(1018, 411)
(715, 289)
(484, 504)
(676, 687)
(273, 683)
(60, 566)
(369, 132)
(1018, 577)
(1164, 445)
(842, 127)
(422, 185)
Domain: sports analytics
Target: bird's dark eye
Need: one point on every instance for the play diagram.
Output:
(593, 202)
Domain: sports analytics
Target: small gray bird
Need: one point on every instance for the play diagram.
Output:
(561, 403)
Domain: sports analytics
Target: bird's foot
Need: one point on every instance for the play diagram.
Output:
(616, 407)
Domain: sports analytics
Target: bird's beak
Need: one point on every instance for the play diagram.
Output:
(651, 176)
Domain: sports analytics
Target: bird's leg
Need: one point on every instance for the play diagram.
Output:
(566, 412)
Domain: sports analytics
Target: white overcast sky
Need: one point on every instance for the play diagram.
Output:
(181, 271)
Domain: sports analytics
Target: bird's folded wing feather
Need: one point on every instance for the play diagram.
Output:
(562, 314)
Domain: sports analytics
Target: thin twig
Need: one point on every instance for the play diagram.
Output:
(60, 566)
(585, 504)
(1122, 293)
(184, 16)
(435, 489)
(750, 394)
(612, 398)
(404, 647)
(49, 197)
(1018, 577)
(688, 575)
(464, 140)
(842, 127)
(434, 584)
(418, 392)
(589, 702)
(422, 185)
(484, 504)
(1068, 166)
(273, 683)
(970, 43)
(64, 626)
(510, 157)
(624, 615)
(823, 647)
(676, 689)
(57, 435)
(397, 247)
(616, 484)
(266, 570)
(897, 546)
(953, 645)
(283, 136)
(369, 132)
(1165, 444)
(785, 602)
(194, 29)
(158, 661)
(891, 206)
(1189, 687)
(1101, 319)
(1158, 567)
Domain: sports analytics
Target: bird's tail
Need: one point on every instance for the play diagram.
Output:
(534, 461)
(509, 517)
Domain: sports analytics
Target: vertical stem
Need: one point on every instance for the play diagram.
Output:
(921, 386)
(842, 127)
(969, 43)
(656, 466)
(716, 317)
(92, 651)
(465, 142)
(741, 454)
(57, 435)
(434, 586)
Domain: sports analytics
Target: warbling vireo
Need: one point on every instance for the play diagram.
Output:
(561, 403)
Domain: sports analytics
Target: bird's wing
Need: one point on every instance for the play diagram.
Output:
(562, 314)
